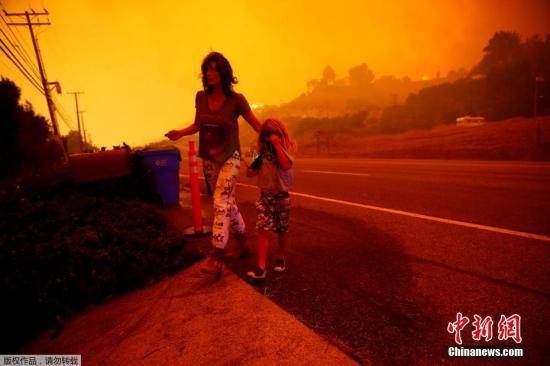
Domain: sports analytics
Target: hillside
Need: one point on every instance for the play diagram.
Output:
(358, 91)
(512, 139)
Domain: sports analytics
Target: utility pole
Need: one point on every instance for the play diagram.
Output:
(318, 141)
(83, 127)
(45, 84)
(78, 118)
(539, 129)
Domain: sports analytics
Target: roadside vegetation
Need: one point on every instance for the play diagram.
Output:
(66, 245)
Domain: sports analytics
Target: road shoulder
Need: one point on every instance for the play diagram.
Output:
(190, 319)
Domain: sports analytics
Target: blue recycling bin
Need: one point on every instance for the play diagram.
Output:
(163, 165)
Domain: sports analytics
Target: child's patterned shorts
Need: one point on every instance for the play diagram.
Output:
(273, 210)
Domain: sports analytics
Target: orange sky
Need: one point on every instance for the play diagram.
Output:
(138, 62)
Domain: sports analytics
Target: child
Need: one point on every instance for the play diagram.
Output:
(274, 170)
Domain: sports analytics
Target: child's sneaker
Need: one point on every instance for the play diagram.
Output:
(280, 265)
(258, 274)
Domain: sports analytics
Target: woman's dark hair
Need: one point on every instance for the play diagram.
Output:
(224, 69)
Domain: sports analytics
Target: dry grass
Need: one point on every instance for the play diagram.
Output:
(513, 139)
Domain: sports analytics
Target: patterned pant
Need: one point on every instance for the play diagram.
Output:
(273, 209)
(226, 213)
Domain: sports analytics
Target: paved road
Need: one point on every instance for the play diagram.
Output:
(511, 195)
(384, 254)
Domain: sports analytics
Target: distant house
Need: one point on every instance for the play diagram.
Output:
(468, 121)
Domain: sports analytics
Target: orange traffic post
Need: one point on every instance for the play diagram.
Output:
(198, 228)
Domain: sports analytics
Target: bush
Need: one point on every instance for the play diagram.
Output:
(62, 249)
(27, 145)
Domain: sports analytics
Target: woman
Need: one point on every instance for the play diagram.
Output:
(218, 107)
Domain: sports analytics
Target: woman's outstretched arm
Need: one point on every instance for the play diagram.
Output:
(250, 117)
(189, 130)
(177, 134)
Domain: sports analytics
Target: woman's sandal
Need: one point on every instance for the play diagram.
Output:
(214, 263)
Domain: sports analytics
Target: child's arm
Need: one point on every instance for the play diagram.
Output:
(252, 169)
(284, 162)
(251, 172)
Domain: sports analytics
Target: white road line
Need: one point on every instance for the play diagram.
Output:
(336, 173)
(418, 216)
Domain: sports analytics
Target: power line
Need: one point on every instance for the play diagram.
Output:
(23, 71)
(21, 51)
(22, 41)
(11, 72)
(62, 109)
(14, 74)
(7, 47)
(18, 51)
(14, 58)
(65, 121)
(58, 106)
(22, 48)
(17, 45)
(62, 112)
(45, 83)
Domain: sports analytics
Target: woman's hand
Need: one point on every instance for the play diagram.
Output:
(173, 135)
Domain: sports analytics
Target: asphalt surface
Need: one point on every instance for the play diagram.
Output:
(384, 253)
(513, 195)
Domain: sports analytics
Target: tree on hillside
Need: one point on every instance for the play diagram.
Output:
(328, 75)
(500, 86)
(502, 50)
(312, 84)
(27, 144)
(361, 75)
(454, 75)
